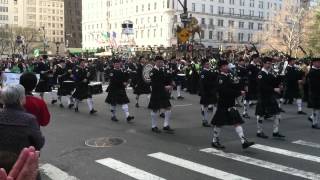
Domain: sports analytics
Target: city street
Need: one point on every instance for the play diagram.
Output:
(187, 154)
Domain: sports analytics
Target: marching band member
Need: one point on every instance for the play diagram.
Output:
(81, 76)
(117, 91)
(313, 79)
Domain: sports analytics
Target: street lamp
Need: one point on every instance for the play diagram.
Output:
(57, 45)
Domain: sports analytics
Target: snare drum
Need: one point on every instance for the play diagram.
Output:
(95, 88)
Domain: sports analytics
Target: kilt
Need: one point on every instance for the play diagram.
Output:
(267, 106)
(43, 86)
(179, 79)
(157, 104)
(208, 99)
(82, 92)
(66, 88)
(314, 102)
(225, 117)
(117, 97)
(291, 93)
(141, 88)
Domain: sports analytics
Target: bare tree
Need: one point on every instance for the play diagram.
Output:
(285, 30)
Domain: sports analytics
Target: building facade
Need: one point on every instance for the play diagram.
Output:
(73, 28)
(5, 12)
(223, 22)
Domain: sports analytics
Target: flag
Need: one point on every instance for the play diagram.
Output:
(105, 36)
(36, 53)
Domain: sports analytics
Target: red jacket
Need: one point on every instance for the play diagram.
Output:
(38, 108)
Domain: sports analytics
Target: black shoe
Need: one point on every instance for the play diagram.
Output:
(162, 115)
(246, 116)
(206, 124)
(278, 135)
(137, 105)
(210, 109)
(247, 144)
(180, 97)
(130, 118)
(281, 110)
(156, 130)
(310, 119)
(315, 126)
(93, 111)
(262, 135)
(61, 105)
(267, 116)
(76, 109)
(114, 119)
(70, 106)
(168, 129)
(301, 113)
(53, 101)
(217, 145)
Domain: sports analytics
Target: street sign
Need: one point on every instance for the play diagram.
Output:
(183, 35)
(184, 17)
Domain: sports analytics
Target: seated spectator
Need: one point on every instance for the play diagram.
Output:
(18, 129)
(34, 105)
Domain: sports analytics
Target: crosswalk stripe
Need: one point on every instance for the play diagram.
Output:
(287, 153)
(306, 143)
(55, 173)
(128, 170)
(264, 164)
(196, 167)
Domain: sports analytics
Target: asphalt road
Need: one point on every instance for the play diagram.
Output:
(184, 155)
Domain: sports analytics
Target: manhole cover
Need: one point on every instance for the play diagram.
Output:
(104, 142)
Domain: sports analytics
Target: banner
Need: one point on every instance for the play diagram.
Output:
(12, 78)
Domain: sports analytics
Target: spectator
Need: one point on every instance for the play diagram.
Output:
(18, 129)
(34, 105)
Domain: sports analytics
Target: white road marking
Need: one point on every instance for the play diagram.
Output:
(287, 153)
(55, 173)
(196, 167)
(306, 143)
(264, 164)
(128, 170)
(182, 105)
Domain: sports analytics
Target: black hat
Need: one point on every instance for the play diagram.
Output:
(315, 59)
(204, 60)
(267, 59)
(116, 60)
(62, 61)
(253, 56)
(222, 63)
(291, 58)
(158, 58)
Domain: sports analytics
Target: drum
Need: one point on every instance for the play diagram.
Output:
(95, 88)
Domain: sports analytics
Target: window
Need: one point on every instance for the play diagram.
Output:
(193, 7)
(240, 37)
(211, 22)
(220, 10)
(259, 26)
(203, 21)
(203, 8)
(231, 11)
(231, 23)
(137, 9)
(202, 35)
(231, 2)
(242, 3)
(149, 7)
(250, 25)
(221, 1)
(210, 35)
(251, 13)
(241, 25)
(261, 4)
(220, 22)
(219, 36)
(260, 14)
(141, 34)
(155, 19)
(155, 6)
(250, 37)
(251, 3)
(241, 12)
(211, 9)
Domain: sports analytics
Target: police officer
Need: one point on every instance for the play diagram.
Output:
(207, 91)
(117, 91)
(81, 75)
(226, 113)
(267, 103)
(160, 96)
(313, 79)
